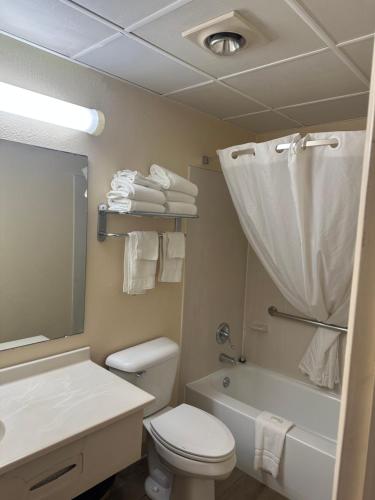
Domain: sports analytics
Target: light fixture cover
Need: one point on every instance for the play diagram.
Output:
(40, 107)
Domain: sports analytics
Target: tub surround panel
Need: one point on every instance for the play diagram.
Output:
(214, 278)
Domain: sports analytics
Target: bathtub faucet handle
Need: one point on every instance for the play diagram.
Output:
(223, 335)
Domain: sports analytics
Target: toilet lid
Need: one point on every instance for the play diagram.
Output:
(193, 433)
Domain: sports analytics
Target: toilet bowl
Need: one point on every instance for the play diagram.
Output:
(188, 449)
(195, 447)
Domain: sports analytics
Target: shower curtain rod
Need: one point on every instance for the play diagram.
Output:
(273, 311)
(282, 147)
(279, 148)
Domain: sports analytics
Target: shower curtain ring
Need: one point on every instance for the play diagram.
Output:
(304, 142)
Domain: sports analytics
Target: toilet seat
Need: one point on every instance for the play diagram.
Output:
(184, 466)
(194, 434)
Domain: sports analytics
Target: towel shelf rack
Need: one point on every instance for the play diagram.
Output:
(273, 311)
(104, 211)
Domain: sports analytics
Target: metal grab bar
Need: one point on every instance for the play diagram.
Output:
(272, 311)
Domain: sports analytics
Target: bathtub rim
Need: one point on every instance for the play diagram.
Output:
(249, 364)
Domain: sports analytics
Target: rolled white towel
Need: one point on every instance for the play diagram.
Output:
(137, 192)
(126, 205)
(177, 196)
(134, 177)
(181, 208)
(170, 180)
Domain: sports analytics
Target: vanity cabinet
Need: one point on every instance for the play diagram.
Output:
(76, 467)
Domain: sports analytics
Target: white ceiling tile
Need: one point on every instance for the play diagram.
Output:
(216, 100)
(361, 54)
(51, 24)
(343, 19)
(139, 64)
(307, 79)
(263, 122)
(124, 12)
(330, 111)
(287, 34)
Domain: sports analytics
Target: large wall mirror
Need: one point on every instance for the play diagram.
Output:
(43, 220)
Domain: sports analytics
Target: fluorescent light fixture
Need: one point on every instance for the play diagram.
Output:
(40, 107)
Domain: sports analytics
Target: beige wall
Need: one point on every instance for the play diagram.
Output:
(352, 124)
(214, 278)
(354, 474)
(141, 128)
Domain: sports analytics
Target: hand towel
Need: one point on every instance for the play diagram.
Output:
(170, 180)
(172, 254)
(321, 360)
(175, 207)
(177, 196)
(270, 432)
(137, 192)
(140, 260)
(134, 177)
(120, 204)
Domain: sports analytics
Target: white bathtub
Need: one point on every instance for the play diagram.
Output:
(309, 456)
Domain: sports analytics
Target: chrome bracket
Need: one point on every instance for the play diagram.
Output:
(223, 334)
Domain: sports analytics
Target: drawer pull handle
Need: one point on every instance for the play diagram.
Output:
(53, 477)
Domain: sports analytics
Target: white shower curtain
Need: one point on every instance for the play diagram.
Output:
(298, 209)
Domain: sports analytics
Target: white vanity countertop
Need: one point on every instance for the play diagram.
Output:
(53, 401)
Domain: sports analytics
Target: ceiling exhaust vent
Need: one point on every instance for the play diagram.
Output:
(225, 43)
(225, 35)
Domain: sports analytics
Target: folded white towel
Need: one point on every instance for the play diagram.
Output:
(136, 192)
(119, 204)
(134, 177)
(177, 196)
(270, 432)
(170, 180)
(321, 360)
(140, 260)
(176, 207)
(172, 254)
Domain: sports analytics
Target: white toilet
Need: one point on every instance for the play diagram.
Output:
(190, 448)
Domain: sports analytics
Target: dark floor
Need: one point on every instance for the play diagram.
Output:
(239, 486)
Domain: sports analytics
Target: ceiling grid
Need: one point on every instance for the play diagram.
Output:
(329, 76)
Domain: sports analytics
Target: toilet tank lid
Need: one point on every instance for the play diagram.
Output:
(143, 356)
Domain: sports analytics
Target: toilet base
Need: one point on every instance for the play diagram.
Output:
(162, 484)
(191, 488)
(158, 484)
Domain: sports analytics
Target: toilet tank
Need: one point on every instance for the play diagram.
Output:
(151, 366)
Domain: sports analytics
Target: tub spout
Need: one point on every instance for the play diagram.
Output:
(224, 358)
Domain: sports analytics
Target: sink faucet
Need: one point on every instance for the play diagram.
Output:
(224, 358)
